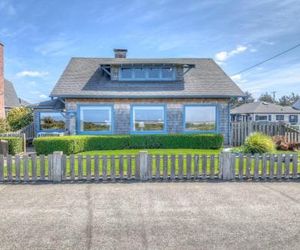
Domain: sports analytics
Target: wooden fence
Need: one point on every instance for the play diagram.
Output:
(240, 131)
(146, 167)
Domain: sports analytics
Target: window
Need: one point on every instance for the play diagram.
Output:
(200, 118)
(148, 119)
(293, 119)
(95, 119)
(126, 73)
(261, 118)
(163, 73)
(279, 117)
(52, 121)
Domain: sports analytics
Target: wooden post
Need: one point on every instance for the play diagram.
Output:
(226, 166)
(143, 158)
(57, 166)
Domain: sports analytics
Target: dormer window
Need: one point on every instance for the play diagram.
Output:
(147, 73)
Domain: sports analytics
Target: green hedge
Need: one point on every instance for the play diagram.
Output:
(15, 144)
(80, 143)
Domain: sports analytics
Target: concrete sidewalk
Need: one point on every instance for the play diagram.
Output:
(150, 216)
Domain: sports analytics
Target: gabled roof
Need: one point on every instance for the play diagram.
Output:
(11, 99)
(263, 108)
(296, 105)
(83, 78)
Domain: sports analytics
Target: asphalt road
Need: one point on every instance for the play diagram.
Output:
(150, 216)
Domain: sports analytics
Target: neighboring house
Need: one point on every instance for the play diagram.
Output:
(296, 105)
(265, 112)
(11, 100)
(139, 96)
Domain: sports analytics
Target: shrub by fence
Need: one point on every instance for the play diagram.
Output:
(58, 167)
(76, 144)
(15, 144)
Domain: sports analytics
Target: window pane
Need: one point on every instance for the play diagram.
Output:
(154, 73)
(279, 117)
(95, 118)
(139, 73)
(167, 73)
(52, 121)
(126, 73)
(200, 118)
(148, 118)
(261, 118)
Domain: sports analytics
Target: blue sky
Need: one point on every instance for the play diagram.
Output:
(41, 36)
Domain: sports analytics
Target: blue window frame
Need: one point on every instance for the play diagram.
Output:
(95, 119)
(293, 119)
(201, 118)
(51, 121)
(148, 119)
(147, 73)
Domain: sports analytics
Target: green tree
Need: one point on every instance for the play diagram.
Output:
(266, 97)
(237, 101)
(4, 127)
(19, 117)
(288, 100)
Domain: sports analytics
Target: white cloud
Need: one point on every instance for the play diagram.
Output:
(236, 77)
(57, 47)
(43, 96)
(224, 55)
(28, 73)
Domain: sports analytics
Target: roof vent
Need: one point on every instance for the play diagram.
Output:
(120, 53)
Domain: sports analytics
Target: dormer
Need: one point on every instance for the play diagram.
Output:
(121, 69)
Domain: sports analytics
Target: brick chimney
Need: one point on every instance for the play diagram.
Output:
(2, 110)
(120, 53)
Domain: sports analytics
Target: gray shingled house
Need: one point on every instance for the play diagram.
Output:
(139, 96)
(11, 99)
(266, 112)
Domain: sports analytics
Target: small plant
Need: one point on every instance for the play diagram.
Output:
(282, 144)
(19, 118)
(258, 143)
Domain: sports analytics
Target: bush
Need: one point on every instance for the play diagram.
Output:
(258, 143)
(4, 127)
(15, 144)
(282, 143)
(19, 118)
(80, 143)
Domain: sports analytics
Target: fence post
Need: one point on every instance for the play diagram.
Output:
(143, 157)
(57, 166)
(226, 166)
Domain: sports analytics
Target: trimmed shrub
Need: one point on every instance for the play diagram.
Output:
(15, 144)
(80, 143)
(19, 117)
(258, 143)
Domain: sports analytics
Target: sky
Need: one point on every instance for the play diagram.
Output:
(41, 36)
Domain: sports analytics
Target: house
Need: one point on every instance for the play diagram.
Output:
(8, 95)
(296, 105)
(11, 100)
(265, 112)
(139, 96)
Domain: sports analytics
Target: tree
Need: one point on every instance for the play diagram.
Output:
(288, 100)
(266, 97)
(19, 118)
(237, 101)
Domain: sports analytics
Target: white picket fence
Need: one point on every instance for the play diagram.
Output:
(58, 167)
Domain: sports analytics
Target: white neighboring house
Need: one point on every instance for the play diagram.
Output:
(296, 105)
(266, 112)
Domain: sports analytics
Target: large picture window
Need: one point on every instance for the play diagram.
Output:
(95, 119)
(200, 118)
(147, 119)
(52, 121)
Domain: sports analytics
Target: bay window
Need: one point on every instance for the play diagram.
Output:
(148, 119)
(200, 118)
(95, 119)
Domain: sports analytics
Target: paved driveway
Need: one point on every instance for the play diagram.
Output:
(150, 216)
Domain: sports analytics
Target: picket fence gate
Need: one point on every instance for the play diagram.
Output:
(58, 167)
